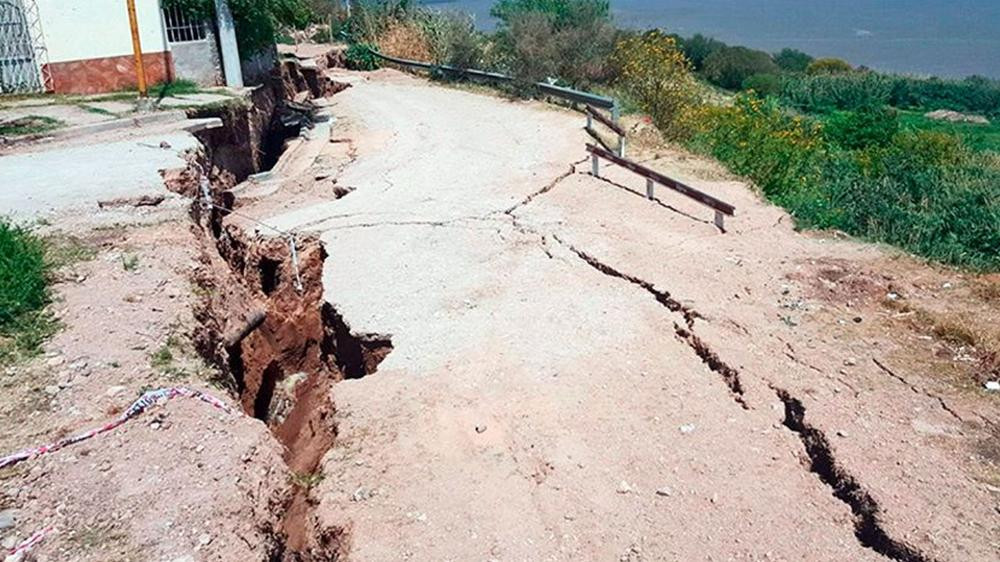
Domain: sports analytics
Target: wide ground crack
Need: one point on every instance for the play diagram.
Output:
(868, 526)
(730, 375)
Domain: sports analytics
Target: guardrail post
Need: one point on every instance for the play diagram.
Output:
(595, 166)
(649, 188)
(621, 146)
(590, 121)
(615, 112)
(720, 221)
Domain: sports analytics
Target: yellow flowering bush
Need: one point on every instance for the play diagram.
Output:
(755, 138)
(654, 74)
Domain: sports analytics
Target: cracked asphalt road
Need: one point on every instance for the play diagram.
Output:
(543, 402)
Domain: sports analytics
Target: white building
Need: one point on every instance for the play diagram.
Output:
(85, 46)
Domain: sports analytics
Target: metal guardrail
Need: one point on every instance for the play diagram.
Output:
(653, 177)
(557, 91)
(594, 115)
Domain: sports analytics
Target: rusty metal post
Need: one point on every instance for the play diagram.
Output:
(140, 67)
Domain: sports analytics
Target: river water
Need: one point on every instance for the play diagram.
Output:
(954, 38)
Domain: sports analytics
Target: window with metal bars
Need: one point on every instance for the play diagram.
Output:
(181, 27)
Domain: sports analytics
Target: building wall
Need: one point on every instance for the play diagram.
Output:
(198, 61)
(90, 44)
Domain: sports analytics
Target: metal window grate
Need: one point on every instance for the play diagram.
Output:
(181, 27)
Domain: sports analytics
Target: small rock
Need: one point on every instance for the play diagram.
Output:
(992, 386)
(664, 491)
(79, 365)
(105, 466)
(686, 428)
(205, 539)
(115, 391)
(624, 488)
(360, 495)
(52, 389)
(947, 285)
(9, 543)
(892, 296)
(842, 433)
(56, 361)
(480, 428)
(7, 519)
(850, 362)
(858, 319)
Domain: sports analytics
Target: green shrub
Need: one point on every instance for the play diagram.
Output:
(24, 277)
(571, 40)
(729, 67)
(918, 194)
(829, 92)
(697, 48)
(829, 66)
(563, 13)
(757, 139)
(867, 126)
(23, 272)
(359, 56)
(763, 84)
(972, 95)
(792, 60)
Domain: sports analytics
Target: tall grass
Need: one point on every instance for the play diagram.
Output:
(24, 277)
(848, 91)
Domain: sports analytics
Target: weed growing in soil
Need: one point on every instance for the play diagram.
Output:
(30, 125)
(306, 480)
(130, 262)
(25, 273)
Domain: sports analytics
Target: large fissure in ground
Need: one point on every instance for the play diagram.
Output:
(263, 318)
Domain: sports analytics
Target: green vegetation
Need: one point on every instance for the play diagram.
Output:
(978, 137)
(731, 66)
(24, 293)
(29, 125)
(258, 22)
(792, 60)
(829, 66)
(173, 88)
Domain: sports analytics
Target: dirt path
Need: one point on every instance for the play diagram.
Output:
(579, 373)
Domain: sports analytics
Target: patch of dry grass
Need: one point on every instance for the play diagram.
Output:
(405, 40)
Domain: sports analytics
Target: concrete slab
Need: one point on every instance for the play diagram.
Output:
(77, 177)
(187, 100)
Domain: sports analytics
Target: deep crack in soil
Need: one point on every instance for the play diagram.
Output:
(867, 525)
(280, 346)
(868, 528)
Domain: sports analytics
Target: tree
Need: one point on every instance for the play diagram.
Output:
(729, 67)
(698, 48)
(829, 66)
(792, 60)
(566, 39)
(764, 84)
(564, 13)
(257, 21)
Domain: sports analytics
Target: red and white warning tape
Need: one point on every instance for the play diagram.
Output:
(139, 406)
(145, 402)
(30, 543)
